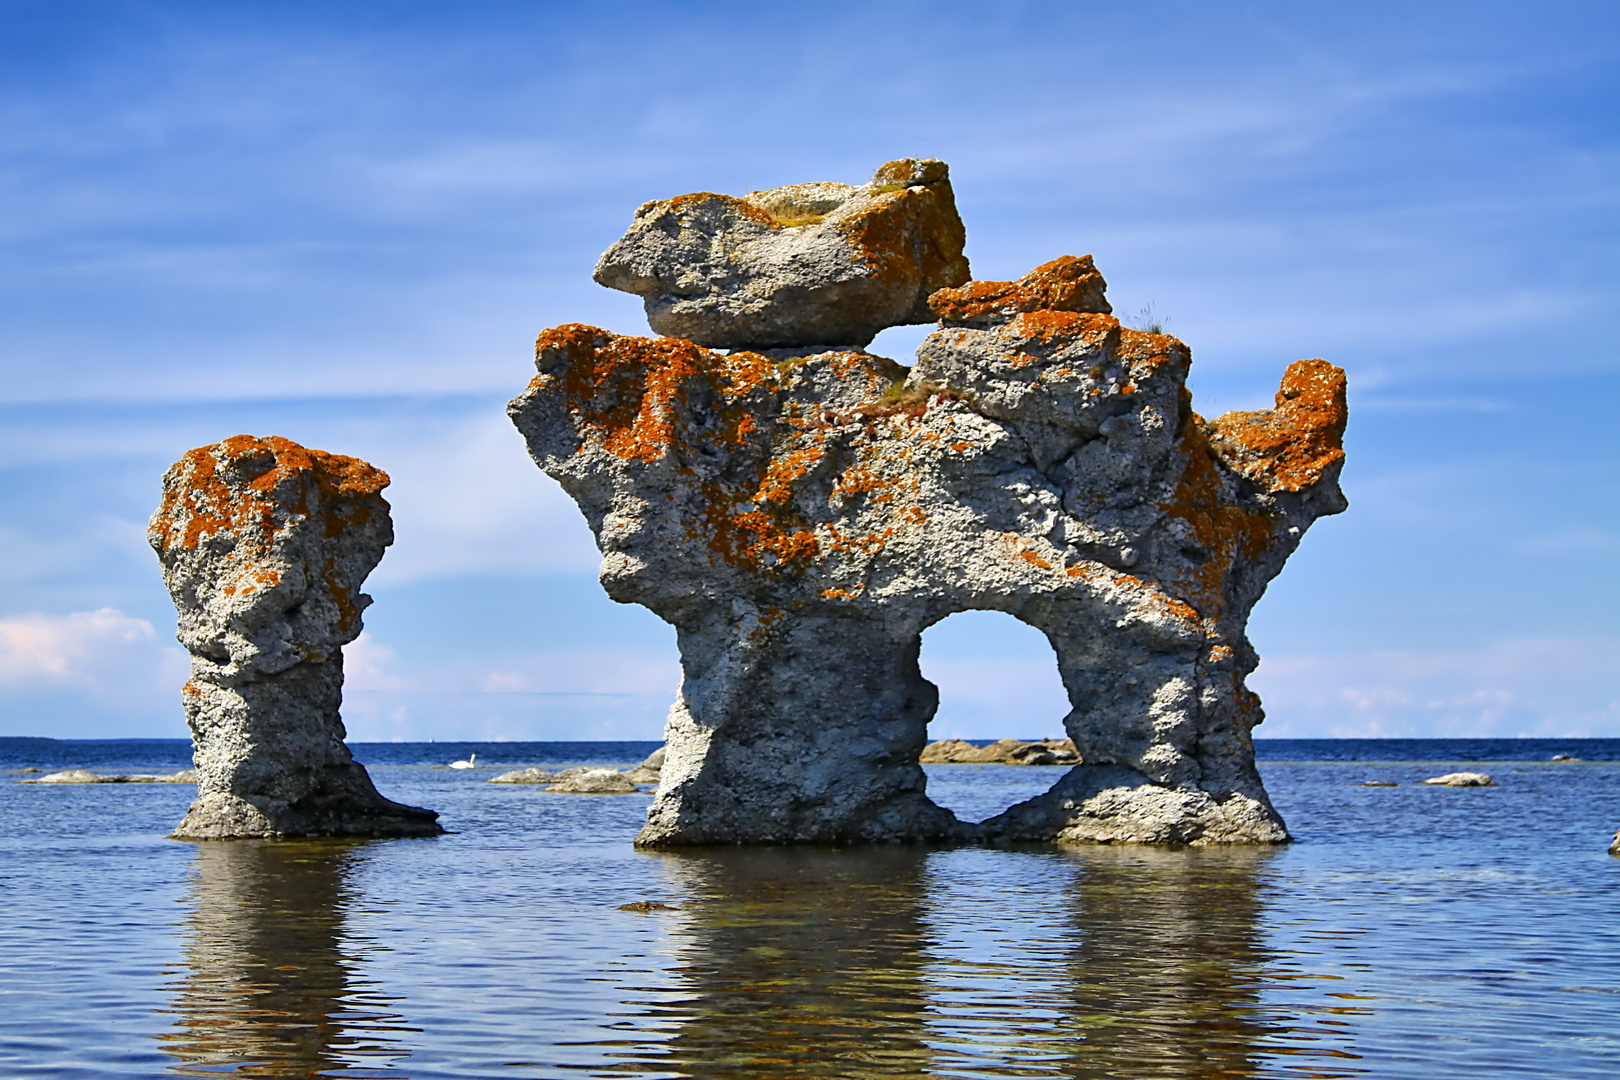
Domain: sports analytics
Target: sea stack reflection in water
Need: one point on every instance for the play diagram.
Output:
(802, 514)
(264, 546)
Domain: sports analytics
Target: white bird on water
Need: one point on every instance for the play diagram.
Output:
(470, 763)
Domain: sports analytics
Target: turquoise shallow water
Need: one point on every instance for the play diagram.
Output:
(1409, 932)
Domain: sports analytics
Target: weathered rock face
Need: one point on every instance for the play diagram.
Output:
(264, 546)
(801, 520)
(807, 264)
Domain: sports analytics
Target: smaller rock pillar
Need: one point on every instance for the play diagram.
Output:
(264, 546)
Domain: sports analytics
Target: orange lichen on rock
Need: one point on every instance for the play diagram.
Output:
(682, 204)
(279, 475)
(1064, 284)
(264, 546)
(1292, 446)
(1221, 531)
(652, 400)
(800, 515)
(910, 234)
(624, 390)
(817, 264)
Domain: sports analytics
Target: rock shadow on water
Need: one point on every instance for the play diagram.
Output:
(1169, 966)
(268, 986)
(913, 961)
(794, 962)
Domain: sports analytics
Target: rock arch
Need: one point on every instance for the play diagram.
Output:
(801, 514)
(976, 657)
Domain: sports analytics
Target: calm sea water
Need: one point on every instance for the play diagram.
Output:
(1409, 932)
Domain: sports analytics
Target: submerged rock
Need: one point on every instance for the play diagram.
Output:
(1001, 752)
(807, 264)
(1461, 779)
(595, 782)
(67, 776)
(801, 520)
(582, 780)
(526, 776)
(264, 546)
(84, 776)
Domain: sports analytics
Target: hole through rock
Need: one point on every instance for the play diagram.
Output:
(998, 679)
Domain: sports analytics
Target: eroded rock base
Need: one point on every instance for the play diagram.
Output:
(271, 762)
(808, 733)
(1111, 804)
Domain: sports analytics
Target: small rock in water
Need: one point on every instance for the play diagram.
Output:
(184, 776)
(646, 905)
(69, 776)
(595, 782)
(1462, 779)
(1002, 752)
(1564, 757)
(1383, 783)
(1614, 848)
(526, 776)
(642, 775)
(85, 776)
(29, 769)
(655, 760)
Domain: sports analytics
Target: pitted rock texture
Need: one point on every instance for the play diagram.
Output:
(801, 521)
(808, 264)
(264, 546)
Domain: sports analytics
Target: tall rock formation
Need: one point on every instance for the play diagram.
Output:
(264, 546)
(802, 516)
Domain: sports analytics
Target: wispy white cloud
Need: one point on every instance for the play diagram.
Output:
(1542, 687)
(99, 648)
(563, 694)
(297, 223)
(90, 673)
(467, 498)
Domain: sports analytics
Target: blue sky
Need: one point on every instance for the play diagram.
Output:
(346, 222)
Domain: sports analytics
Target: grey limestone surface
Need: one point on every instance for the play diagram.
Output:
(805, 264)
(801, 516)
(264, 546)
